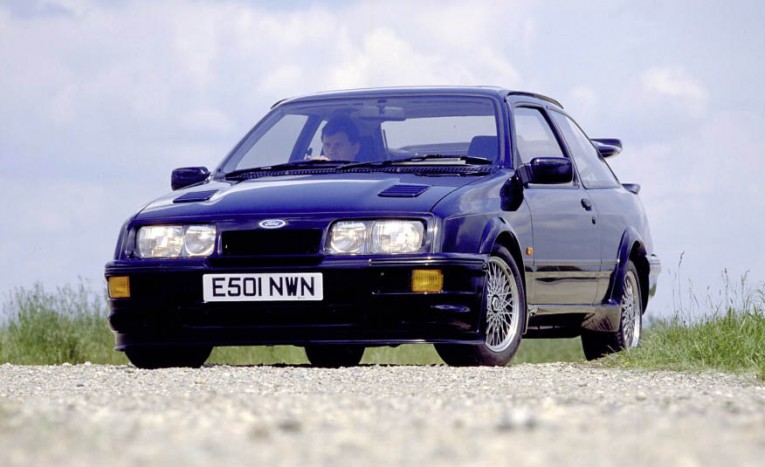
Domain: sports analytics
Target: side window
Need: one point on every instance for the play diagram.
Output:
(593, 170)
(533, 135)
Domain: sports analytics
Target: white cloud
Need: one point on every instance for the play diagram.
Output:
(585, 100)
(207, 120)
(383, 58)
(676, 84)
(100, 100)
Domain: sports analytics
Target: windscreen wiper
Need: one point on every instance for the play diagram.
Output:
(422, 159)
(429, 157)
(287, 166)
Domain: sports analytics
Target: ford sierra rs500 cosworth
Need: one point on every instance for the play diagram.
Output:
(465, 217)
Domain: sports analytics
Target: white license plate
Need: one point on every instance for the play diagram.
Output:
(263, 287)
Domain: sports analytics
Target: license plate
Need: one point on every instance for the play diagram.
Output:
(263, 287)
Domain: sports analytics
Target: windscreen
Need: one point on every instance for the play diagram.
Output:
(369, 130)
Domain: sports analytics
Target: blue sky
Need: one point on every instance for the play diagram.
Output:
(99, 101)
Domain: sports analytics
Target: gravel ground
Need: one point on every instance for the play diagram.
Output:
(546, 415)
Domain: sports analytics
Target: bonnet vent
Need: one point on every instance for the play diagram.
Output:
(403, 191)
(195, 196)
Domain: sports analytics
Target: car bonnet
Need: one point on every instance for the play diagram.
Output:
(305, 194)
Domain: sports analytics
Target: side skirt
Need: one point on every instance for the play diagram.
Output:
(552, 321)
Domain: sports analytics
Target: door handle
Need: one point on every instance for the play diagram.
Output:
(587, 204)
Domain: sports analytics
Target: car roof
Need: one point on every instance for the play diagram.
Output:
(488, 91)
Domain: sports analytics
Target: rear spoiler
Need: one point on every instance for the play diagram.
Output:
(607, 147)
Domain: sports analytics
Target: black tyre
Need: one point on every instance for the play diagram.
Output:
(334, 356)
(151, 358)
(503, 315)
(600, 344)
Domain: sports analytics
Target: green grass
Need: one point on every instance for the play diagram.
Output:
(68, 325)
(733, 342)
(729, 338)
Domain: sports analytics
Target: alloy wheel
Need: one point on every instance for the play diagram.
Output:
(631, 325)
(502, 322)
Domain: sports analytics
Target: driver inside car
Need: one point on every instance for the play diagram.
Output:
(340, 140)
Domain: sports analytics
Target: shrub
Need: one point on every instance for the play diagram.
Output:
(65, 326)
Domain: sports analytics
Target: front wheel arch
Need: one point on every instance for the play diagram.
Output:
(503, 316)
(498, 233)
(508, 241)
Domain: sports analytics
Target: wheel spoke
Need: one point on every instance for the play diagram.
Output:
(630, 312)
(501, 306)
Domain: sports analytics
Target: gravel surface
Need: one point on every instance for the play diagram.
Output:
(546, 415)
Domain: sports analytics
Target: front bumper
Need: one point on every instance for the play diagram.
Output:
(366, 301)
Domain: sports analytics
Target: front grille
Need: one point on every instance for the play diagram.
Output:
(271, 242)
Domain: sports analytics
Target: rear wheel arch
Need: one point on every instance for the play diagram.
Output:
(597, 344)
(631, 248)
(639, 258)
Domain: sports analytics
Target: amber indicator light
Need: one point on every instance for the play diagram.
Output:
(119, 287)
(427, 280)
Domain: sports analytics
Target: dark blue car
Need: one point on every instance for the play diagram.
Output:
(467, 218)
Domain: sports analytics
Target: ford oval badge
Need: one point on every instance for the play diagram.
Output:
(272, 223)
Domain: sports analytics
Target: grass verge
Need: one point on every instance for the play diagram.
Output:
(731, 338)
(68, 325)
(734, 342)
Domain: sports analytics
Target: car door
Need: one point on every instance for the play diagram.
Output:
(614, 205)
(566, 246)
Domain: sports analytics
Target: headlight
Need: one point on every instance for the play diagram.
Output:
(376, 237)
(174, 241)
(393, 237)
(200, 240)
(348, 238)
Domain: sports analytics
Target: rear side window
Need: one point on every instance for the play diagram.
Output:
(533, 135)
(593, 170)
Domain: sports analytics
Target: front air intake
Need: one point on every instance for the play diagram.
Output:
(403, 191)
(271, 242)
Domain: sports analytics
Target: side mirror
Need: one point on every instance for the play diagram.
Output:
(549, 170)
(607, 147)
(186, 176)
